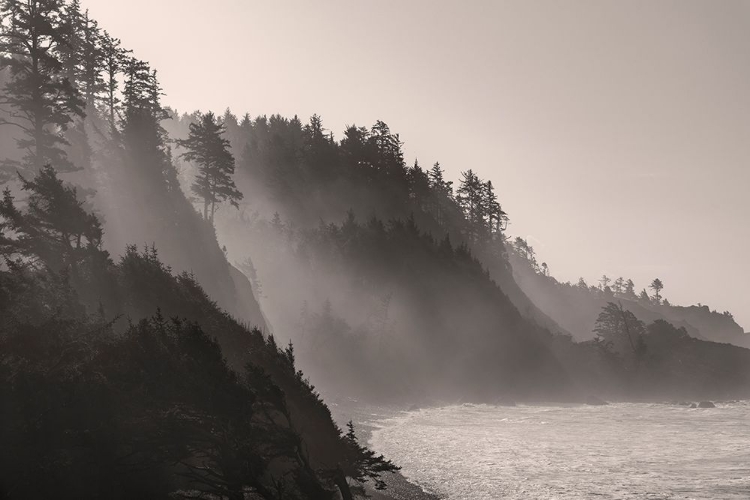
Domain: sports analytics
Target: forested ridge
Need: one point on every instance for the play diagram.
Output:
(576, 305)
(339, 235)
(153, 261)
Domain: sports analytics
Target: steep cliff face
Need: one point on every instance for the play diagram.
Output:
(711, 325)
(502, 272)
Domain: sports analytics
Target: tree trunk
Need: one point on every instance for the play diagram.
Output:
(37, 113)
(343, 486)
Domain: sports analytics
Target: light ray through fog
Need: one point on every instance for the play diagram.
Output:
(552, 101)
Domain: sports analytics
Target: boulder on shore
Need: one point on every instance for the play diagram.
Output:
(706, 404)
(595, 401)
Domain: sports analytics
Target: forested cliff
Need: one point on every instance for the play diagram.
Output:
(119, 375)
(166, 280)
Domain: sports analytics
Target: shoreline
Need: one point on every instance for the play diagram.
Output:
(365, 417)
(398, 486)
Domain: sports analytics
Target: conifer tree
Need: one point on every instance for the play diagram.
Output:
(40, 100)
(114, 58)
(545, 269)
(419, 184)
(142, 107)
(361, 464)
(630, 289)
(657, 287)
(319, 151)
(142, 141)
(496, 217)
(438, 182)
(81, 59)
(71, 50)
(619, 285)
(443, 192)
(470, 197)
(54, 231)
(91, 81)
(206, 147)
(389, 156)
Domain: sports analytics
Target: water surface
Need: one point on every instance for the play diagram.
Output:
(619, 451)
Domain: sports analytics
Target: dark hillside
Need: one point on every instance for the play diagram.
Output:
(576, 306)
(121, 406)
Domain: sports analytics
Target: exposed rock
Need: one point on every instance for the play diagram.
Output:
(595, 401)
(706, 404)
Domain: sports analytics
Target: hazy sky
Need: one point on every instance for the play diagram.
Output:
(617, 133)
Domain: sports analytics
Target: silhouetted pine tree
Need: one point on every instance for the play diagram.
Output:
(630, 289)
(92, 84)
(142, 134)
(206, 147)
(442, 193)
(319, 152)
(54, 231)
(657, 286)
(496, 218)
(361, 465)
(470, 197)
(389, 158)
(114, 59)
(419, 186)
(438, 182)
(71, 50)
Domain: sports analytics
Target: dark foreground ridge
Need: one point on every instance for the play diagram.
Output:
(99, 403)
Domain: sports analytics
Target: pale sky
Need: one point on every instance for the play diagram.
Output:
(617, 133)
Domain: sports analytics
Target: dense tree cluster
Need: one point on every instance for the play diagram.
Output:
(576, 306)
(40, 98)
(63, 69)
(74, 98)
(307, 175)
(608, 288)
(620, 331)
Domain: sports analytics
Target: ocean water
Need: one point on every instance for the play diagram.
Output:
(619, 451)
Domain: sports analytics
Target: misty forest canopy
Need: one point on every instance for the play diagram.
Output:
(151, 261)
(576, 305)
